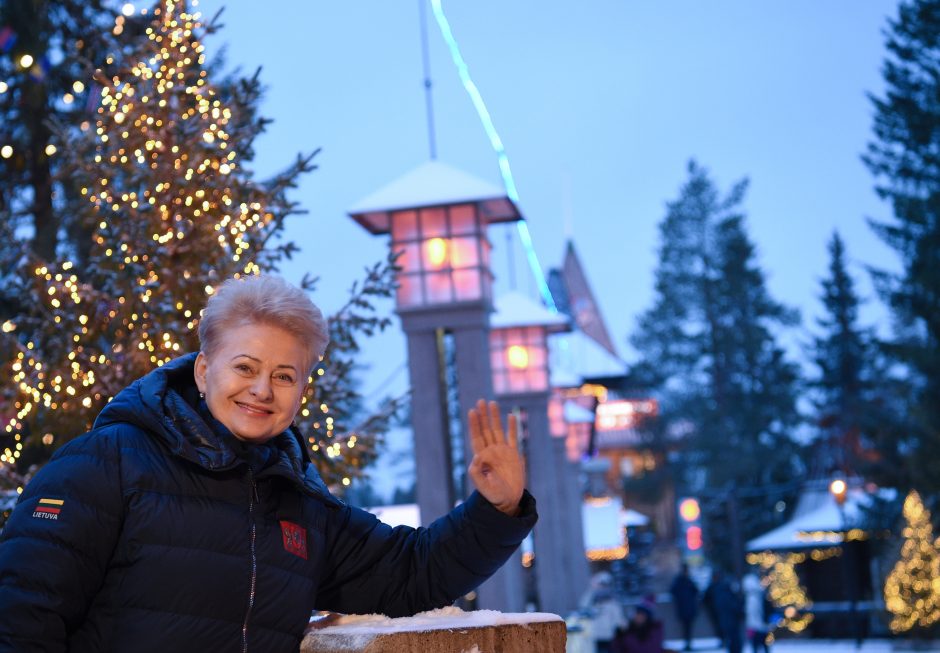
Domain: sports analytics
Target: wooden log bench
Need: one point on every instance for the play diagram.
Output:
(448, 630)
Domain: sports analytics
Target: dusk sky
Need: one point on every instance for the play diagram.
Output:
(600, 105)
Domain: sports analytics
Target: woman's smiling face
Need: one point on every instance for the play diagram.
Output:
(254, 380)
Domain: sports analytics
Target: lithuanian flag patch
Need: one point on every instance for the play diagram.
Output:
(48, 508)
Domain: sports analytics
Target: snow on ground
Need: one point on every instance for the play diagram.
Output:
(808, 646)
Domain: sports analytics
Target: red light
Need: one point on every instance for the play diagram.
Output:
(693, 538)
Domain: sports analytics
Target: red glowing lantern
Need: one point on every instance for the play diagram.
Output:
(519, 331)
(437, 217)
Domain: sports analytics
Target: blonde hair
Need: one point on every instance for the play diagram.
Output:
(264, 299)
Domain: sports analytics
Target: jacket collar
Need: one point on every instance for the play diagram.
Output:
(163, 403)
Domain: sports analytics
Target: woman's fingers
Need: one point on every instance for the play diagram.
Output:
(513, 432)
(496, 424)
(477, 441)
(486, 426)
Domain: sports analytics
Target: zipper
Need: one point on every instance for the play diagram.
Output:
(252, 499)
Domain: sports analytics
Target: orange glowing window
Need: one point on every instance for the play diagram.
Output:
(436, 252)
(518, 356)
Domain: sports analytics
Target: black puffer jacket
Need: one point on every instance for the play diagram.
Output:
(159, 532)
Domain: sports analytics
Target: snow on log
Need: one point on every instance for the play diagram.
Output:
(448, 630)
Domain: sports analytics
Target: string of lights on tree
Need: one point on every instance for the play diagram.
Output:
(912, 589)
(172, 212)
(780, 577)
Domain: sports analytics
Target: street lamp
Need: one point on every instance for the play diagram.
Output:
(437, 217)
(519, 360)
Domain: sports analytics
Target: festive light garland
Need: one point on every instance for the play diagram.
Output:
(496, 142)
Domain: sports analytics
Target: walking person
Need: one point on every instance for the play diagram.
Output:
(756, 615)
(685, 602)
(191, 518)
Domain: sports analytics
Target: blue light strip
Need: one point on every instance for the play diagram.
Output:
(497, 144)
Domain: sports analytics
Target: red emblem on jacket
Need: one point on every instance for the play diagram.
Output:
(295, 539)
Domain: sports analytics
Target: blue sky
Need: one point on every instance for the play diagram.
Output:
(600, 105)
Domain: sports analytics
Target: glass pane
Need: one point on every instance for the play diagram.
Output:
(536, 357)
(404, 225)
(467, 284)
(409, 290)
(463, 252)
(409, 260)
(536, 379)
(496, 361)
(437, 287)
(463, 220)
(433, 222)
(517, 380)
(500, 385)
(497, 338)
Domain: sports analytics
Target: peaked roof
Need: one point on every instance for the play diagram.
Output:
(817, 520)
(432, 184)
(583, 307)
(513, 309)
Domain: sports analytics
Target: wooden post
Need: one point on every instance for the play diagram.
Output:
(446, 630)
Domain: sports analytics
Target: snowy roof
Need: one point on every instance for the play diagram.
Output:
(818, 521)
(601, 524)
(577, 414)
(630, 517)
(581, 356)
(513, 309)
(563, 378)
(432, 184)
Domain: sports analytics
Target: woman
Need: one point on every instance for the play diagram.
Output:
(190, 518)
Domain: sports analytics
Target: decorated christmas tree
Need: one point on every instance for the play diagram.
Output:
(169, 210)
(912, 589)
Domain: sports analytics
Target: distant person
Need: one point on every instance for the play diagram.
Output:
(711, 609)
(608, 618)
(644, 634)
(756, 613)
(730, 610)
(685, 601)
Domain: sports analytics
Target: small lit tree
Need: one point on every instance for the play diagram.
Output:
(912, 589)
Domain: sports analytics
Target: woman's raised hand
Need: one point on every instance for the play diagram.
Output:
(497, 468)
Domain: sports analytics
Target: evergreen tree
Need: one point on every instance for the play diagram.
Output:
(708, 347)
(912, 589)
(903, 157)
(172, 211)
(44, 47)
(846, 385)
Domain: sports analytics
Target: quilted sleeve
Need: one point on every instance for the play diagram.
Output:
(56, 545)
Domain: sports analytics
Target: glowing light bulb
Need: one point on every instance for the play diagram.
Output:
(518, 356)
(26, 60)
(437, 252)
